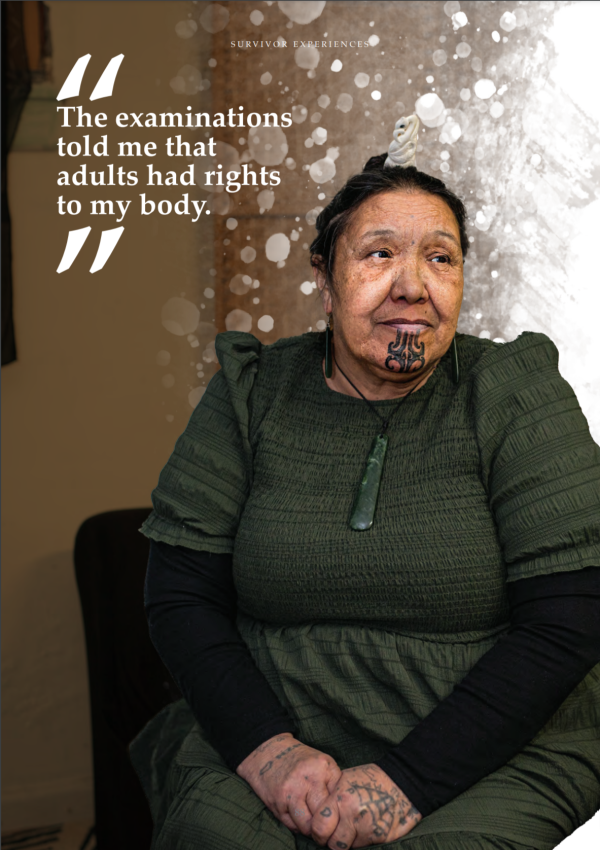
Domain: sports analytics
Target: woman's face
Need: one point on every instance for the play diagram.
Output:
(397, 286)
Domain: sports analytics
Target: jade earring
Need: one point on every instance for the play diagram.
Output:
(329, 347)
(455, 364)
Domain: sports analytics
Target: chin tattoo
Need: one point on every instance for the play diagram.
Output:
(406, 353)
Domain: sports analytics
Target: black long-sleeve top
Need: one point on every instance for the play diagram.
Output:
(553, 641)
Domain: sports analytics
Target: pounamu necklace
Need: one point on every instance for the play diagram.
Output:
(365, 502)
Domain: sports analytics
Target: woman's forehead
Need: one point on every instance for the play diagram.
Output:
(401, 210)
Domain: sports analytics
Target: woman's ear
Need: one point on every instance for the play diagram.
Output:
(321, 281)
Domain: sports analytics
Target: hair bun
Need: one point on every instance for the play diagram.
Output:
(375, 163)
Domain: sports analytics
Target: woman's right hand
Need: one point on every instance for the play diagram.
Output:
(291, 778)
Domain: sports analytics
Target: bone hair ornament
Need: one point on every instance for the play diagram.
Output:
(402, 151)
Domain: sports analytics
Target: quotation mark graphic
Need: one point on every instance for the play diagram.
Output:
(108, 240)
(103, 88)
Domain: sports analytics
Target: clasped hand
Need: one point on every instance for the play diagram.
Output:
(307, 791)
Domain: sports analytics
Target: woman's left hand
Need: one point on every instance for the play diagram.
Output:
(367, 808)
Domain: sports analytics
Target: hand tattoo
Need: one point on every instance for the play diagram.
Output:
(407, 352)
(380, 805)
(269, 764)
(326, 812)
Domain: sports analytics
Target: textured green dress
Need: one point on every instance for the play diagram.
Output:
(362, 634)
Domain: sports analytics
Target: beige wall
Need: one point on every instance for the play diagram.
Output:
(83, 407)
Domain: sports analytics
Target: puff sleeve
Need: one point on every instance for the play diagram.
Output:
(203, 487)
(540, 465)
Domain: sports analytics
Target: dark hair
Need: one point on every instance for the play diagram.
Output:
(373, 180)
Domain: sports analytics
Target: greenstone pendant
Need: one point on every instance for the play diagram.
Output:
(363, 510)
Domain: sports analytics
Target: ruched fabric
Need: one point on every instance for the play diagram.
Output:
(362, 634)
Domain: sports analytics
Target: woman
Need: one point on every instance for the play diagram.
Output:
(404, 657)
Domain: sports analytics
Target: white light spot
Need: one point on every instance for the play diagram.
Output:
(508, 21)
(277, 247)
(496, 109)
(322, 171)
(179, 316)
(195, 395)
(373, 40)
(439, 57)
(321, 325)
(494, 274)
(429, 79)
(268, 145)
(266, 78)
(324, 101)
(361, 80)
(430, 109)
(484, 89)
(306, 288)
(256, 17)
(266, 199)
(163, 358)
(299, 114)
(321, 196)
(214, 18)
(311, 216)
(209, 293)
(496, 36)
(212, 63)
(336, 66)
(265, 323)
(445, 155)
(344, 102)
(459, 20)
(186, 29)
(247, 254)
(465, 94)
(169, 417)
(231, 223)
(309, 143)
(240, 284)
(451, 7)
(302, 11)
(307, 57)
(376, 95)
(238, 320)
(463, 49)
(319, 135)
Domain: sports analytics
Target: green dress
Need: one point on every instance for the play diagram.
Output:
(362, 634)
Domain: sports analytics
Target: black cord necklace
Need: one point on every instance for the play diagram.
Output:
(365, 502)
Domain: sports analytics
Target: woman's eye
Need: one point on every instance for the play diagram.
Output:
(441, 258)
(381, 252)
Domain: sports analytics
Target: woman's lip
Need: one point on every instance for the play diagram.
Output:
(403, 323)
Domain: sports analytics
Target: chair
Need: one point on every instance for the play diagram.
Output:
(128, 682)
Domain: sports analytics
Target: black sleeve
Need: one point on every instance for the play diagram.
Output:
(501, 704)
(191, 607)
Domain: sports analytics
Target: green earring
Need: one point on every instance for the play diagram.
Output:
(328, 348)
(455, 366)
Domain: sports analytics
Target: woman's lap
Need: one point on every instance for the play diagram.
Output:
(535, 801)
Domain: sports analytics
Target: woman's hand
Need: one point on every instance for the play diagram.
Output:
(291, 779)
(366, 807)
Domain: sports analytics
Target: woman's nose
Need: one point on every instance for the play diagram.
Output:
(407, 283)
